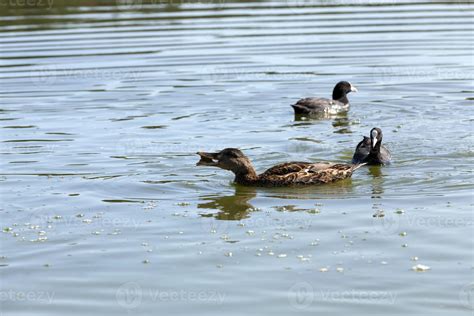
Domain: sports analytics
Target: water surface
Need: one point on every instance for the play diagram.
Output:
(103, 106)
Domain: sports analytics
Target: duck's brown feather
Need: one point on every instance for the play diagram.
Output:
(301, 173)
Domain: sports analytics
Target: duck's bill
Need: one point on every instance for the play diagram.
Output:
(207, 159)
(353, 89)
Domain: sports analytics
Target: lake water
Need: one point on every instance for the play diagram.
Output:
(104, 104)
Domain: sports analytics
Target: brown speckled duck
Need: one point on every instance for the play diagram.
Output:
(285, 174)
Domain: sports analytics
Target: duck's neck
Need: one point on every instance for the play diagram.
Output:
(246, 177)
(343, 99)
(340, 96)
(376, 149)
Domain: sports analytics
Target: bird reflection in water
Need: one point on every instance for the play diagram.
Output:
(377, 183)
(230, 207)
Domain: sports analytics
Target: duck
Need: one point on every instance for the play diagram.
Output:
(371, 150)
(284, 174)
(339, 102)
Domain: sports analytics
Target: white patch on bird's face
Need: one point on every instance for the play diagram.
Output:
(374, 135)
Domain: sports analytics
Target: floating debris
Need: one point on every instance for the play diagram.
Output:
(414, 258)
(228, 254)
(282, 255)
(250, 232)
(303, 258)
(405, 245)
(379, 213)
(323, 270)
(183, 204)
(146, 261)
(384, 262)
(87, 221)
(57, 217)
(340, 269)
(80, 215)
(420, 268)
(399, 211)
(7, 229)
(144, 244)
(403, 234)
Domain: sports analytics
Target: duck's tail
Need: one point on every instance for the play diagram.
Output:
(299, 109)
(357, 166)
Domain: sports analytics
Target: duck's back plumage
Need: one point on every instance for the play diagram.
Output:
(319, 105)
(362, 150)
(294, 166)
(303, 173)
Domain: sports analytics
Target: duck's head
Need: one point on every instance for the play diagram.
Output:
(375, 137)
(229, 159)
(341, 89)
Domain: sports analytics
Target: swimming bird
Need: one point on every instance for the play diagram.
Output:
(285, 174)
(371, 151)
(339, 102)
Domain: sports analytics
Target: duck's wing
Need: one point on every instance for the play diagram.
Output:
(362, 151)
(312, 174)
(286, 168)
(313, 105)
(385, 156)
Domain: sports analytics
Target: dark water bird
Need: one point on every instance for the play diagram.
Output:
(321, 106)
(285, 174)
(371, 150)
